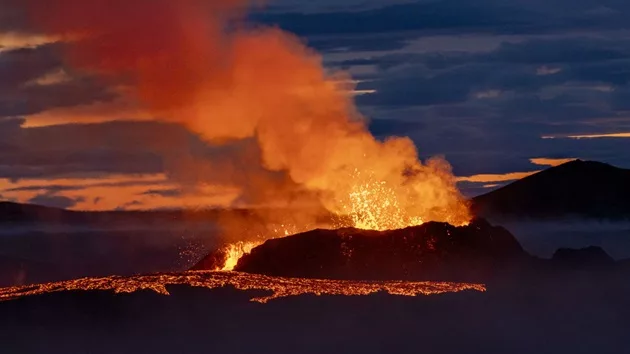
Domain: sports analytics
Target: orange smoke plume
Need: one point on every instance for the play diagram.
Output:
(196, 62)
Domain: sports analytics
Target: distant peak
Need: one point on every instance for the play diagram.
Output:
(587, 163)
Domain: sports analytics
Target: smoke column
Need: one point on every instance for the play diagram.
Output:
(291, 132)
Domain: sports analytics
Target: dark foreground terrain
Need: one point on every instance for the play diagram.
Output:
(586, 313)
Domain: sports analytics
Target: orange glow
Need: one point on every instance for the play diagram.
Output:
(278, 287)
(494, 178)
(235, 251)
(543, 161)
(10, 41)
(588, 136)
(179, 63)
(97, 112)
(52, 78)
(112, 192)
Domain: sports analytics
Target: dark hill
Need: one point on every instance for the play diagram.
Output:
(15, 212)
(577, 188)
(585, 258)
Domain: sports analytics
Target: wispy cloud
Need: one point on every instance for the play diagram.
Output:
(55, 77)
(494, 178)
(115, 192)
(588, 136)
(17, 40)
(546, 70)
(553, 162)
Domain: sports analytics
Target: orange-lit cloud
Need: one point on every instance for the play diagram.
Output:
(494, 178)
(16, 40)
(55, 77)
(544, 161)
(588, 136)
(121, 108)
(119, 191)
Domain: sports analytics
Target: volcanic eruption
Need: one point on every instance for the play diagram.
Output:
(289, 136)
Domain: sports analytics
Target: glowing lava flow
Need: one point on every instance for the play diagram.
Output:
(279, 287)
(235, 251)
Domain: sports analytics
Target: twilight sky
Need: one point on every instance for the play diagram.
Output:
(501, 88)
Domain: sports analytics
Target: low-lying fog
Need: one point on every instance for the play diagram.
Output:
(543, 238)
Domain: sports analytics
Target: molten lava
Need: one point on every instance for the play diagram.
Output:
(279, 287)
(235, 251)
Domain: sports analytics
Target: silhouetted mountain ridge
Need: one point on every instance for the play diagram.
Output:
(589, 257)
(578, 188)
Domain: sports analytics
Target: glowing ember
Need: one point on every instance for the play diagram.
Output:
(279, 287)
(374, 206)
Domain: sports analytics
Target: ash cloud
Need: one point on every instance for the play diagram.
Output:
(281, 136)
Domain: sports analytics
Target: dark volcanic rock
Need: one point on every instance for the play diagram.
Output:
(213, 261)
(433, 251)
(585, 258)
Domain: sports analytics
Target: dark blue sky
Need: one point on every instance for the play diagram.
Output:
(485, 83)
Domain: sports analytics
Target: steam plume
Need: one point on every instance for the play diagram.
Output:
(195, 62)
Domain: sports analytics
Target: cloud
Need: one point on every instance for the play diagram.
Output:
(111, 192)
(117, 109)
(89, 149)
(15, 40)
(55, 201)
(545, 70)
(413, 16)
(22, 65)
(456, 16)
(493, 178)
(361, 43)
(488, 94)
(167, 193)
(526, 66)
(590, 136)
(34, 81)
(135, 204)
(553, 162)
(54, 186)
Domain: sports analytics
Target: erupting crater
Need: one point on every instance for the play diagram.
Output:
(431, 251)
